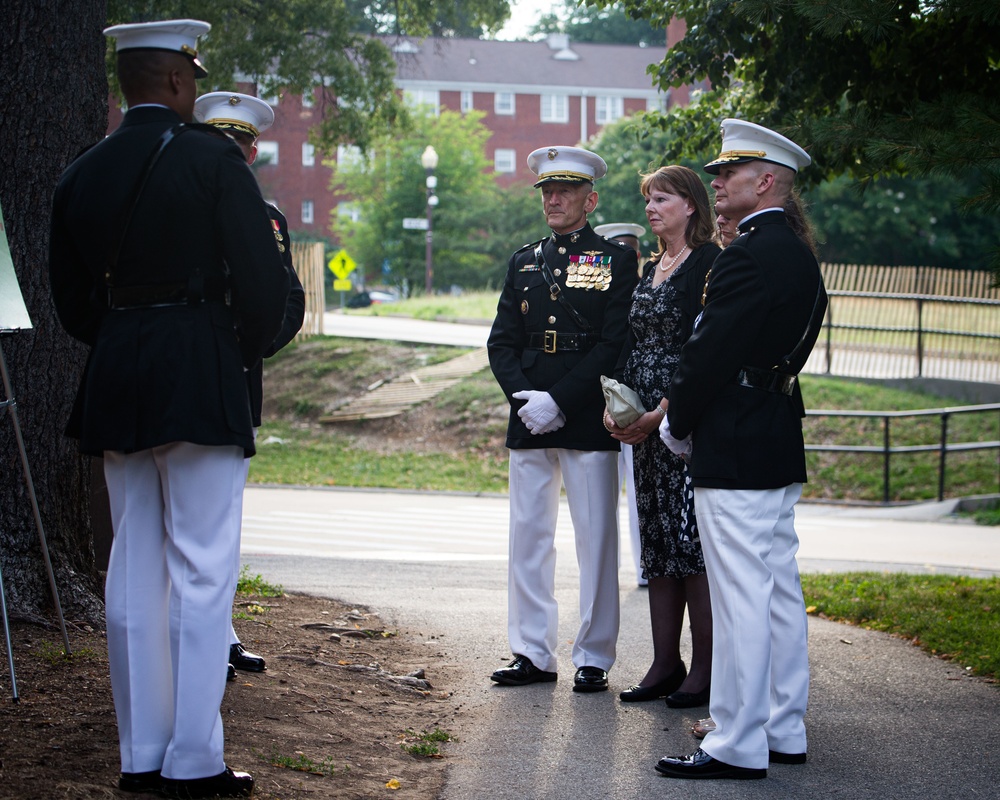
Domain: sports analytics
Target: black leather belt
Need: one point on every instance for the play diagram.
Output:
(161, 295)
(766, 379)
(555, 342)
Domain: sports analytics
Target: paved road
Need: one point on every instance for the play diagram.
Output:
(381, 525)
(886, 721)
(404, 329)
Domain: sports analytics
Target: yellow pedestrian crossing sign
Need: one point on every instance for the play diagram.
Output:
(342, 264)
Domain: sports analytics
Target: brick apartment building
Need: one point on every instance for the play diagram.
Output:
(552, 91)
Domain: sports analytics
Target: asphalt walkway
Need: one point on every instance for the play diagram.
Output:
(885, 721)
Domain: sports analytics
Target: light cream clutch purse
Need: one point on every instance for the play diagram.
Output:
(623, 403)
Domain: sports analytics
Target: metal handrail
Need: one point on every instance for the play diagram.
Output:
(943, 447)
(919, 330)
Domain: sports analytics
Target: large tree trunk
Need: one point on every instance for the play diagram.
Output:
(53, 103)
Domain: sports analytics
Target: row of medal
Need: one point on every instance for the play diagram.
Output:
(588, 276)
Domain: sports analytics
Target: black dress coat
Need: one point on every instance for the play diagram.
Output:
(295, 309)
(176, 373)
(761, 295)
(572, 377)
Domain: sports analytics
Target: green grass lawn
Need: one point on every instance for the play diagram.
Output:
(466, 307)
(313, 458)
(956, 618)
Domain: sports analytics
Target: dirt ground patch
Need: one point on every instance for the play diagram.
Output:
(330, 717)
(314, 377)
(341, 698)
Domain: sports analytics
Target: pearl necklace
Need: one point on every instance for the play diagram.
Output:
(675, 259)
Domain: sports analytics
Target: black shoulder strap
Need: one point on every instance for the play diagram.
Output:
(555, 290)
(168, 136)
(783, 365)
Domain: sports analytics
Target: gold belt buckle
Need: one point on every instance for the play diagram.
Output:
(550, 342)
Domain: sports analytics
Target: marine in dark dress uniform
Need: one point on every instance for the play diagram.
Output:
(735, 406)
(560, 325)
(177, 288)
(244, 118)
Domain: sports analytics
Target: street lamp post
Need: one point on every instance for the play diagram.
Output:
(429, 160)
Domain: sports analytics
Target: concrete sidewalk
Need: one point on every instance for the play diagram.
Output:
(885, 721)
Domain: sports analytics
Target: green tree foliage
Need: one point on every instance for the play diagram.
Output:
(476, 225)
(871, 87)
(298, 45)
(466, 19)
(902, 221)
(586, 22)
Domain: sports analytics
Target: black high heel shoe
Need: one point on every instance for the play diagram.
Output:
(690, 699)
(638, 694)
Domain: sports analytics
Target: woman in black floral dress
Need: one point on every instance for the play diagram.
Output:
(664, 308)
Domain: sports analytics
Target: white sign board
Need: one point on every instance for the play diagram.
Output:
(415, 223)
(13, 314)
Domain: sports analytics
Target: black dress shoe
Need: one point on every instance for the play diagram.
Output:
(785, 758)
(139, 782)
(590, 679)
(230, 672)
(243, 659)
(638, 694)
(689, 699)
(700, 765)
(521, 672)
(226, 784)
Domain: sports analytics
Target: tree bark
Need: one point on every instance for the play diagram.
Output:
(53, 97)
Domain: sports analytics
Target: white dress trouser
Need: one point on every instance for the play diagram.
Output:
(760, 666)
(626, 475)
(592, 490)
(169, 591)
(238, 514)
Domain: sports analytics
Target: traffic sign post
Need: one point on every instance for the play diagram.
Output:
(342, 265)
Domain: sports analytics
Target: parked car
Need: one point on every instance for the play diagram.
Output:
(365, 299)
(382, 297)
(359, 300)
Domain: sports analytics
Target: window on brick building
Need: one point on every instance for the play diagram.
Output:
(555, 108)
(267, 152)
(505, 160)
(423, 97)
(308, 99)
(608, 109)
(503, 103)
(467, 104)
(308, 155)
(307, 212)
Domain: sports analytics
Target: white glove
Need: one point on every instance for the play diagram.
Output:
(539, 411)
(555, 425)
(681, 447)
